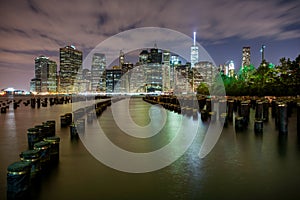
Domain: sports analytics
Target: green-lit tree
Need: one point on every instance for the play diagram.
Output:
(202, 89)
(246, 72)
(296, 74)
(263, 79)
(281, 80)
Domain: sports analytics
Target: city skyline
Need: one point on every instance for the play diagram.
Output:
(223, 29)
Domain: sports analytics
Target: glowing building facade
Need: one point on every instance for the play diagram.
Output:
(166, 71)
(113, 76)
(246, 56)
(194, 52)
(70, 62)
(98, 78)
(45, 75)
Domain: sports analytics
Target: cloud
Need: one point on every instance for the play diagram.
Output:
(43, 24)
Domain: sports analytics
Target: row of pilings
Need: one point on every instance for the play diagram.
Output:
(36, 161)
(233, 109)
(83, 116)
(34, 102)
(77, 120)
(43, 144)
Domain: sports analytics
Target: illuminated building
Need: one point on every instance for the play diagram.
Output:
(155, 55)
(194, 52)
(223, 69)
(206, 71)
(121, 58)
(98, 79)
(143, 57)
(166, 71)
(137, 78)
(70, 62)
(45, 75)
(230, 69)
(181, 78)
(246, 56)
(126, 67)
(174, 62)
(112, 80)
(35, 85)
(153, 77)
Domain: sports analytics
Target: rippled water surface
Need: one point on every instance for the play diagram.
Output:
(241, 165)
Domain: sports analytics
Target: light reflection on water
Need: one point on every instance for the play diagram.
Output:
(241, 166)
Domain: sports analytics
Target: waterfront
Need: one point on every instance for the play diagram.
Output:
(241, 165)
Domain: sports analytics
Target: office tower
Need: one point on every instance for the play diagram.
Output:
(143, 57)
(121, 58)
(45, 75)
(113, 77)
(223, 69)
(137, 78)
(173, 63)
(82, 83)
(246, 56)
(155, 55)
(181, 79)
(194, 52)
(153, 77)
(86, 74)
(166, 71)
(98, 79)
(206, 71)
(70, 62)
(230, 68)
(126, 78)
(35, 85)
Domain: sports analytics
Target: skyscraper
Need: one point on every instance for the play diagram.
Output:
(45, 75)
(194, 52)
(143, 57)
(70, 62)
(98, 79)
(206, 71)
(246, 56)
(166, 70)
(151, 63)
(113, 77)
(155, 55)
(121, 58)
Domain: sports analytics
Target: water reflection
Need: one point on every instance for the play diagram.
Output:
(282, 145)
(239, 161)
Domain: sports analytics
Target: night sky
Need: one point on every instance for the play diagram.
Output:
(32, 28)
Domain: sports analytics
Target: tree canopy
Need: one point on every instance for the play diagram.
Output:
(267, 79)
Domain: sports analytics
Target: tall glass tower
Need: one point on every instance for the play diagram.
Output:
(246, 56)
(194, 52)
(166, 70)
(70, 62)
(45, 73)
(98, 81)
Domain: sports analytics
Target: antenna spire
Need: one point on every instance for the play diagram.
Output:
(194, 38)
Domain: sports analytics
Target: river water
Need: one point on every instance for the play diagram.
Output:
(241, 165)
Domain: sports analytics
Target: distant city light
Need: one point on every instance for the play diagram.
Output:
(10, 89)
(231, 65)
